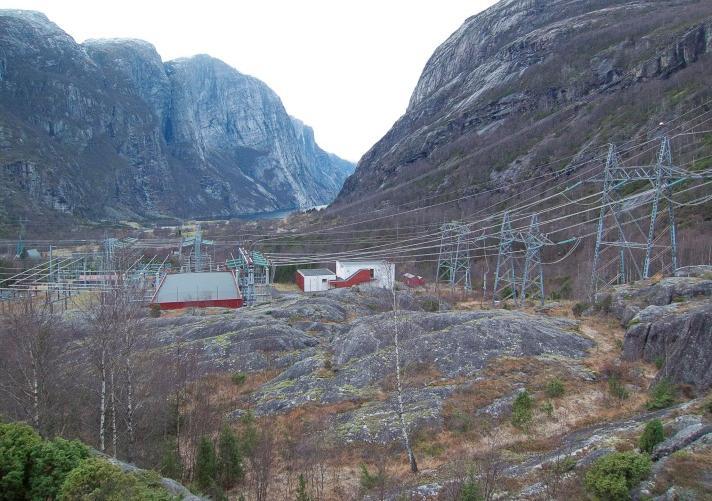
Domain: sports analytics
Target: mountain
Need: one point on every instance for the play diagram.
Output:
(107, 130)
(526, 84)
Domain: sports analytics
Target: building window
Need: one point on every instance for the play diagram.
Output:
(371, 272)
(323, 280)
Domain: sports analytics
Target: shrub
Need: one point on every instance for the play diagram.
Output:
(154, 311)
(611, 477)
(302, 489)
(707, 406)
(431, 305)
(555, 388)
(604, 305)
(229, 458)
(171, 465)
(205, 468)
(652, 436)
(328, 365)
(579, 308)
(239, 378)
(51, 462)
(522, 410)
(659, 361)
(617, 389)
(548, 409)
(17, 441)
(96, 479)
(370, 480)
(470, 490)
(662, 395)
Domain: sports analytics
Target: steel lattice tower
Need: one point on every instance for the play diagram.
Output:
(617, 226)
(454, 255)
(505, 278)
(533, 273)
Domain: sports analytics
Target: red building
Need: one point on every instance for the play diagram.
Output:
(413, 280)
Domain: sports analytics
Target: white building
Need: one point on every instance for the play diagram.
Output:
(383, 273)
(314, 280)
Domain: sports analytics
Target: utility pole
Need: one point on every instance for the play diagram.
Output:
(533, 274)
(505, 278)
(617, 225)
(454, 256)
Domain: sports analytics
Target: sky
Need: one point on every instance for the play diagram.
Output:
(346, 68)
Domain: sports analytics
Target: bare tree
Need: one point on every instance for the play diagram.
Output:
(33, 341)
(262, 462)
(399, 384)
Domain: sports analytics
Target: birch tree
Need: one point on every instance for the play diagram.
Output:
(33, 340)
(390, 281)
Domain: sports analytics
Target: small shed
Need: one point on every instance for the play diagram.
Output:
(201, 290)
(314, 280)
(382, 273)
(413, 280)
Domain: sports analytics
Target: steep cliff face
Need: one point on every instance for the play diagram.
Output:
(490, 102)
(106, 129)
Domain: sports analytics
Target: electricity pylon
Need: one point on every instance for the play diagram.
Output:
(505, 277)
(533, 273)
(617, 224)
(454, 256)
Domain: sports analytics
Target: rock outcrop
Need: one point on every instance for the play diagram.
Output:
(669, 322)
(107, 130)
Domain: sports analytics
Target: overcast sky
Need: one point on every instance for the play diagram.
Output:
(347, 68)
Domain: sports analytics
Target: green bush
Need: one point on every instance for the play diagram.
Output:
(555, 388)
(659, 361)
(431, 305)
(370, 480)
(205, 469)
(548, 409)
(239, 378)
(652, 436)
(97, 480)
(522, 410)
(470, 490)
(613, 476)
(302, 494)
(16, 444)
(229, 459)
(579, 308)
(617, 389)
(171, 465)
(51, 462)
(662, 395)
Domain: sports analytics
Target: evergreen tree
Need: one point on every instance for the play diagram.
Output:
(171, 465)
(229, 458)
(205, 468)
(302, 489)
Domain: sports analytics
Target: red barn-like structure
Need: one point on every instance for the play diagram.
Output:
(413, 280)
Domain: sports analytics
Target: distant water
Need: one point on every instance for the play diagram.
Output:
(277, 214)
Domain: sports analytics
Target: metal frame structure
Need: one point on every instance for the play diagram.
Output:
(505, 276)
(662, 176)
(253, 275)
(454, 256)
(533, 272)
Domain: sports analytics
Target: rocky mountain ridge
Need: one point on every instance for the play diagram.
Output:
(490, 101)
(107, 130)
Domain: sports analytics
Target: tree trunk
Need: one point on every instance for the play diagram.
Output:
(114, 439)
(399, 388)
(129, 409)
(102, 404)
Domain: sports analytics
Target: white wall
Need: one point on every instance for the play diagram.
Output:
(384, 273)
(317, 283)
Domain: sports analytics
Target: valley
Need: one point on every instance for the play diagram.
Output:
(508, 297)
